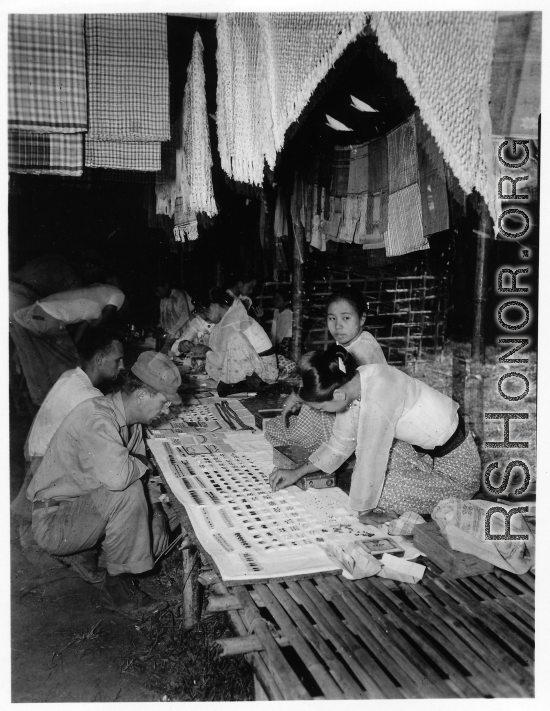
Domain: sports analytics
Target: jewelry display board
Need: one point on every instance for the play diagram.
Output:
(205, 415)
(251, 532)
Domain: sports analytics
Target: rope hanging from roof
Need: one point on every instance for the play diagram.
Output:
(269, 65)
(444, 58)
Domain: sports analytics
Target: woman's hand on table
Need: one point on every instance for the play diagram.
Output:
(291, 406)
(281, 478)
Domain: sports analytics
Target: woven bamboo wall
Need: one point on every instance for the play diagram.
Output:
(406, 314)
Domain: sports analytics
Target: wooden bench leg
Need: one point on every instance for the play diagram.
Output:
(192, 589)
(259, 693)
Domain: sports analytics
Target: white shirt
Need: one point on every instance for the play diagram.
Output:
(281, 327)
(72, 388)
(84, 304)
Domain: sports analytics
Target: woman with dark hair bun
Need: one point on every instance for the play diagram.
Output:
(299, 423)
(240, 356)
(413, 448)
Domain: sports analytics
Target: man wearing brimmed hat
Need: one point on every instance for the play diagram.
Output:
(89, 485)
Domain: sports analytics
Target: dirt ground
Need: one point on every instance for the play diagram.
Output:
(65, 646)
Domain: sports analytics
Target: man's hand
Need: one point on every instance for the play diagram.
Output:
(160, 531)
(281, 478)
(291, 406)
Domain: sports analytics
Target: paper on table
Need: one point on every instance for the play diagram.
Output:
(400, 569)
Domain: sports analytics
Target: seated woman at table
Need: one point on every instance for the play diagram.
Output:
(301, 424)
(240, 355)
(193, 337)
(413, 448)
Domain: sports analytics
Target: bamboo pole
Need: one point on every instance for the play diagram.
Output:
(297, 295)
(484, 237)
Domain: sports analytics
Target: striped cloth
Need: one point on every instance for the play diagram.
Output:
(128, 88)
(433, 187)
(47, 73)
(405, 231)
(45, 153)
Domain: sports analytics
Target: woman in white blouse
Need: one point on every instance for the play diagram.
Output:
(413, 448)
(239, 355)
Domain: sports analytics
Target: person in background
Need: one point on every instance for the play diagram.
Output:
(243, 290)
(281, 332)
(46, 333)
(301, 424)
(93, 484)
(413, 448)
(240, 356)
(102, 357)
(281, 327)
(42, 276)
(175, 309)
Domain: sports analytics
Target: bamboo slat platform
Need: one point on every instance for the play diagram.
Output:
(331, 638)
(326, 637)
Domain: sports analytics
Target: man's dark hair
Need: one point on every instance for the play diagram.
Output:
(97, 341)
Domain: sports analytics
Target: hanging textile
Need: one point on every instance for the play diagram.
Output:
(47, 73)
(340, 171)
(516, 75)
(358, 181)
(269, 65)
(45, 153)
(375, 220)
(405, 233)
(196, 137)
(128, 90)
(123, 155)
(445, 60)
(402, 158)
(242, 104)
(431, 178)
(300, 48)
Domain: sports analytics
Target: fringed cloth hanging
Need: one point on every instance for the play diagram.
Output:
(269, 65)
(196, 137)
(444, 59)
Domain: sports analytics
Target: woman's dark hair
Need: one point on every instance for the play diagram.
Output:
(352, 296)
(322, 375)
(215, 295)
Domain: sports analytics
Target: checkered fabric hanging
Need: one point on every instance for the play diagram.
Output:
(47, 73)
(45, 153)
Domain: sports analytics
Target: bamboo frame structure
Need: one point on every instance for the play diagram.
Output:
(406, 314)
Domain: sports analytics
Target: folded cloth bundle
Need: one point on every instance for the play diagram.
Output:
(465, 525)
